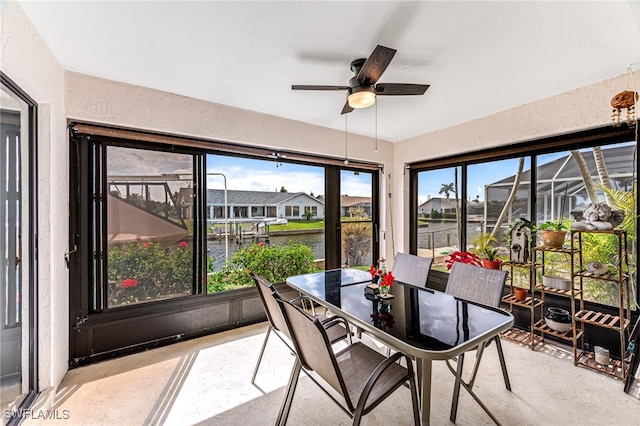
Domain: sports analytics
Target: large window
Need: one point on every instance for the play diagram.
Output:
(273, 193)
(149, 225)
(168, 229)
(438, 231)
(470, 202)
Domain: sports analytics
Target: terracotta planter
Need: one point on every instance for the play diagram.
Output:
(520, 293)
(491, 264)
(553, 238)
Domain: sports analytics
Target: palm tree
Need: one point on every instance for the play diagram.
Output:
(447, 189)
(509, 202)
(586, 175)
(603, 174)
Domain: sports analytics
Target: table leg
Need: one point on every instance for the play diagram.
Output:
(424, 375)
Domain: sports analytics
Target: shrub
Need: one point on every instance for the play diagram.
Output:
(146, 271)
(272, 262)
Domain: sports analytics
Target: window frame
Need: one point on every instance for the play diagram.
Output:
(30, 242)
(601, 136)
(98, 335)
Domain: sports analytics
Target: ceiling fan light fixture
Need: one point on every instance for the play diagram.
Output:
(362, 97)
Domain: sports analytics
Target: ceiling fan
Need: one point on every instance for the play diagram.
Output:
(362, 89)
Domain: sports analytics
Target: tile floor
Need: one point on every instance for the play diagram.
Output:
(206, 381)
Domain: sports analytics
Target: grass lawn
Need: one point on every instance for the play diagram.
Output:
(298, 224)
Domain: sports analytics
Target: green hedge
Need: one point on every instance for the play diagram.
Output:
(272, 262)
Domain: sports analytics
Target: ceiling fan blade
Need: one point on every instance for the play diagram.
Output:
(400, 89)
(317, 87)
(375, 65)
(346, 109)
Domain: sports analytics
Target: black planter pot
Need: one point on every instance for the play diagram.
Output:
(558, 319)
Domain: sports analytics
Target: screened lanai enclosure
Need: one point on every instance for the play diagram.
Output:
(560, 187)
(498, 192)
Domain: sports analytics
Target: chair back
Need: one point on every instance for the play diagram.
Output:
(271, 307)
(412, 269)
(476, 284)
(312, 345)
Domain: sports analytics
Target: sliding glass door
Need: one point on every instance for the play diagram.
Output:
(17, 228)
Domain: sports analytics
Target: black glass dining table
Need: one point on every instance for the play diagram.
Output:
(425, 324)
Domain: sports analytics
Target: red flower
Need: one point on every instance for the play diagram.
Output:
(146, 245)
(261, 244)
(373, 271)
(463, 257)
(129, 282)
(388, 279)
(183, 244)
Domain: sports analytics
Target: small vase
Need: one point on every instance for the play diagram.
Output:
(384, 290)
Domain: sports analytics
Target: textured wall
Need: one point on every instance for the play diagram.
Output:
(104, 101)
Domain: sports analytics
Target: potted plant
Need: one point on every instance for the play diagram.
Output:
(483, 248)
(552, 234)
(490, 260)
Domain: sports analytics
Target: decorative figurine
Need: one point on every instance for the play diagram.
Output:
(594, 217)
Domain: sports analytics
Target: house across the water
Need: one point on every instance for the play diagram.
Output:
(256, 204)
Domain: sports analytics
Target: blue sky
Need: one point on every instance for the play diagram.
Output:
(429, 183)
(269, 175)
(262, 175)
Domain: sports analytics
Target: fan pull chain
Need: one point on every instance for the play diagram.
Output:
(346, 161)
(375, 149)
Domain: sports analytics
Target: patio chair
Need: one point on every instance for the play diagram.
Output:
(484, 286)
(409, 269)
(266, 290)
(412, 269)
(361, 376)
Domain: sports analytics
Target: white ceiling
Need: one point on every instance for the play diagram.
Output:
(479, 57)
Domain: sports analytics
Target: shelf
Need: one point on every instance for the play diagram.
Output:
(542, 327)
(601, 319)
(527, 303)
(619, 322)
(519, 265)
(567, 250)
(615, 368)
(617, 231)
(604, 277)
(566, 293)
(523, 337)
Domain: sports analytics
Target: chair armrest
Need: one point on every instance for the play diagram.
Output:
(338, 320)
(378, 372)
(331, 321)
(304, 300)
